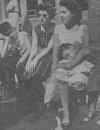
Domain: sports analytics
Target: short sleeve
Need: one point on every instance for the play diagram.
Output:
(58, 28)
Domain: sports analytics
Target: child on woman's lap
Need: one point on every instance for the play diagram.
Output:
(73, 76)
(66, 75)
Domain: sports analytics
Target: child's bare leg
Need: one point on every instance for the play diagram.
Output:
(93, 96)
(92, 105)
(65, 101)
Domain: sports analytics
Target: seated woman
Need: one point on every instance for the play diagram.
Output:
(39, 60)
(70, 32)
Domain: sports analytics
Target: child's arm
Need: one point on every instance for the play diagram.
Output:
(82, 53)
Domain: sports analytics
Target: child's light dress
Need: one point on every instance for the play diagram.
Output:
(75, 75)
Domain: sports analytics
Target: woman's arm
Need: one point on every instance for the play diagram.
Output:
(34, 46)
(26, 43)
(46, 50)
(23, 57)
(5, 47)
(28, 48)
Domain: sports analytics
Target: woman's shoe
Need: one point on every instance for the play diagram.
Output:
(89, 116)
(65, 124)
(98, 122)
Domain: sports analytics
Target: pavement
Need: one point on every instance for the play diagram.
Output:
(47, 121)
(25, 115)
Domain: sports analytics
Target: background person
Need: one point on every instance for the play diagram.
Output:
(13, 13)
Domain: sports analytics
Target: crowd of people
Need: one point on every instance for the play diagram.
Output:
(56, 50)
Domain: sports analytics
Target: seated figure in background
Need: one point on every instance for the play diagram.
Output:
(14, 52)
(24, 50)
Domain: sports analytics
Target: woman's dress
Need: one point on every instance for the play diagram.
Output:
(44, 34)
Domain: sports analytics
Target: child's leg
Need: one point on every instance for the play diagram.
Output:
(65, 101)
(93, 96)
(92, 100)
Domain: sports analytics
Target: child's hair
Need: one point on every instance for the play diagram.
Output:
(63, 47)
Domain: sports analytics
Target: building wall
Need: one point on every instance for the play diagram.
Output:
(94, 21)
(2, 9)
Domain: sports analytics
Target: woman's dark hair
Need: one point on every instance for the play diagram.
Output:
(49, 10)
(76, 12)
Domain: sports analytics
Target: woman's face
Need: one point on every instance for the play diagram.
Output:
(64, 14)
(43, 17)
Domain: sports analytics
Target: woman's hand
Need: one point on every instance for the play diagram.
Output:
(19, 62)
(34, 63)
(31, 65)
(27, 67)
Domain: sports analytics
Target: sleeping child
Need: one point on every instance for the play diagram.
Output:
(76, 76)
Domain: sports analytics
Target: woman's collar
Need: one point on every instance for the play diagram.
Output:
(74, 28)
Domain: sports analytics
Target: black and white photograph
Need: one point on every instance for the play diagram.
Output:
(39, 88)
